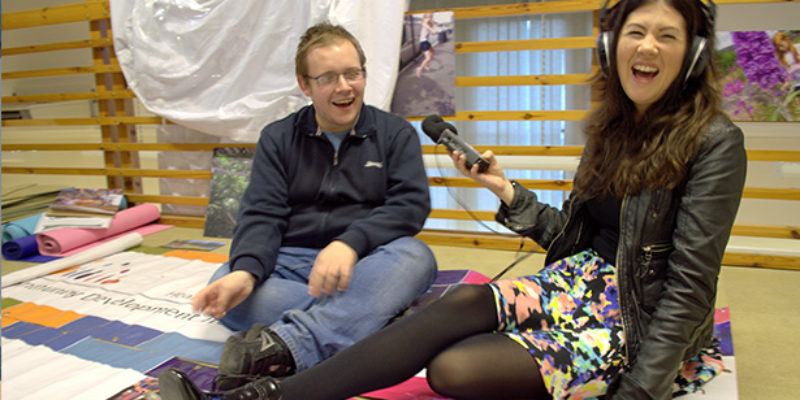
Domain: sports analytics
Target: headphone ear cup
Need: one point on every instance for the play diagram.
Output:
(698, 57)
(603, 47)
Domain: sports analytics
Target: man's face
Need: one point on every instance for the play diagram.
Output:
(338, 102)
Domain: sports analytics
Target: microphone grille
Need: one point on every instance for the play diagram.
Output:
(432, 126)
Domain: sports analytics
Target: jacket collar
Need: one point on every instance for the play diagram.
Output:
(306, 123)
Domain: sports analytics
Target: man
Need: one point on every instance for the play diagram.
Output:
(323, 252)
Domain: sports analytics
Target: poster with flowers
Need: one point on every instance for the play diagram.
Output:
(760, 74)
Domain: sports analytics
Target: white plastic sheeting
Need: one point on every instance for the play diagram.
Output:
(227, 67)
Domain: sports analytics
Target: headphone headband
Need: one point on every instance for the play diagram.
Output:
(709, 9)
(696, 60)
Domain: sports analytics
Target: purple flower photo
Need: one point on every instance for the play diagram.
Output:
(760, 74)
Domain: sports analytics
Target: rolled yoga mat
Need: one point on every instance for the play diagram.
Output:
(18, 249)
(21, 227)
(59, 242)
(112, 247)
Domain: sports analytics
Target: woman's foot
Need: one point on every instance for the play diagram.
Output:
(175, 385)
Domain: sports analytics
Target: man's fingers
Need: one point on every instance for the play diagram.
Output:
(315, 280)
(331, 280)
(328, 281)
(214, 312)
(201, 300)
(344, 279)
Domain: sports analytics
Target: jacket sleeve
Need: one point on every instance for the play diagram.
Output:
(706, 212)
(263, 212)
(407, 202)
(529, 217)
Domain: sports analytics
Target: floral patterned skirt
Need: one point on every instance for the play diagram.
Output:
(568, 318)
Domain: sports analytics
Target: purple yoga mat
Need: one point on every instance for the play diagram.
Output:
(18, 249)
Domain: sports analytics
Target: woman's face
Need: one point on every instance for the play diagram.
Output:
(783, 44)
(650, 52)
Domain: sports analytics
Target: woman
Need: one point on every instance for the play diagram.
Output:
(624, 307)
(786, 51)
(426, 30)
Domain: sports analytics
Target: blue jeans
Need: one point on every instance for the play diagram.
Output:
(383, 284)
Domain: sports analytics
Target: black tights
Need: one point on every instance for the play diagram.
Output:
(451, 337)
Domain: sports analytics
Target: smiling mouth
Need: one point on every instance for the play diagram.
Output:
(644, 72)
(343, 103)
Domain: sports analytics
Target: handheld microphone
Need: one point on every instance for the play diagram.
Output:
(443, 133)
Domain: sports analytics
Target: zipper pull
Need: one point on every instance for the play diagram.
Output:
(648, 253)
(335, 158)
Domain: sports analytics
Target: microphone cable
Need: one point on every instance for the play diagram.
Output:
(458, 201)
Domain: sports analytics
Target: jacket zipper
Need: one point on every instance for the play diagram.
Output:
(620, 276)
(649, 251)
(563, 228)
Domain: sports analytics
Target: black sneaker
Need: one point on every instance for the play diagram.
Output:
(175, 385)
(261, 353)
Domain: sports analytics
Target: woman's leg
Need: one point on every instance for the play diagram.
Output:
(487, 366)
(428, 55)
(398, 351)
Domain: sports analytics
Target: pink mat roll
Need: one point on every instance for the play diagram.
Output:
(59, 241)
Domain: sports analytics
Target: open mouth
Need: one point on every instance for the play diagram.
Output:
(343, 103)
(644, 72)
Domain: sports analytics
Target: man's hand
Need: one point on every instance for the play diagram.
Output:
(223, 294)
(332, 269)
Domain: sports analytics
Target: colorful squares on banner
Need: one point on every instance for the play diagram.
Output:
(42, 315)
(446, 280)
(415, 388)
(115, 355)
(122, 333)
(204, 351)
(8, 302)
(145, 389)
(722, 330)
(108, 342)
(202, 375)
(197, 255)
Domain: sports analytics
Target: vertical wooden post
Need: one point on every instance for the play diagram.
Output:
(595, 92)
(122, 132)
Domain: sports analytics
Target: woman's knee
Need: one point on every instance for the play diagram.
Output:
(469, 298)
(446, 373)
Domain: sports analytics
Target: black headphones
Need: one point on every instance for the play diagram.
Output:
(697, 59)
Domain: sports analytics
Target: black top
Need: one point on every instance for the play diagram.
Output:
(604, 216)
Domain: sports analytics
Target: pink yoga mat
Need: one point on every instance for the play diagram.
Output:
(62, 242)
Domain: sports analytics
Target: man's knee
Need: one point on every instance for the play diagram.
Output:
(414, 255)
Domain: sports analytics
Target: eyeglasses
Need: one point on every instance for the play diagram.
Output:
(329, 78)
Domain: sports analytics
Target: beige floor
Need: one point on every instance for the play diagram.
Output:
(764, 317)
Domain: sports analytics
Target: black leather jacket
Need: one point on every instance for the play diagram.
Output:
(670, 249)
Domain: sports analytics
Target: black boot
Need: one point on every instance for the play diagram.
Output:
(175, 385)
(261, 353)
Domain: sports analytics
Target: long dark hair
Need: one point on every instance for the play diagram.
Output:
(625, 155)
